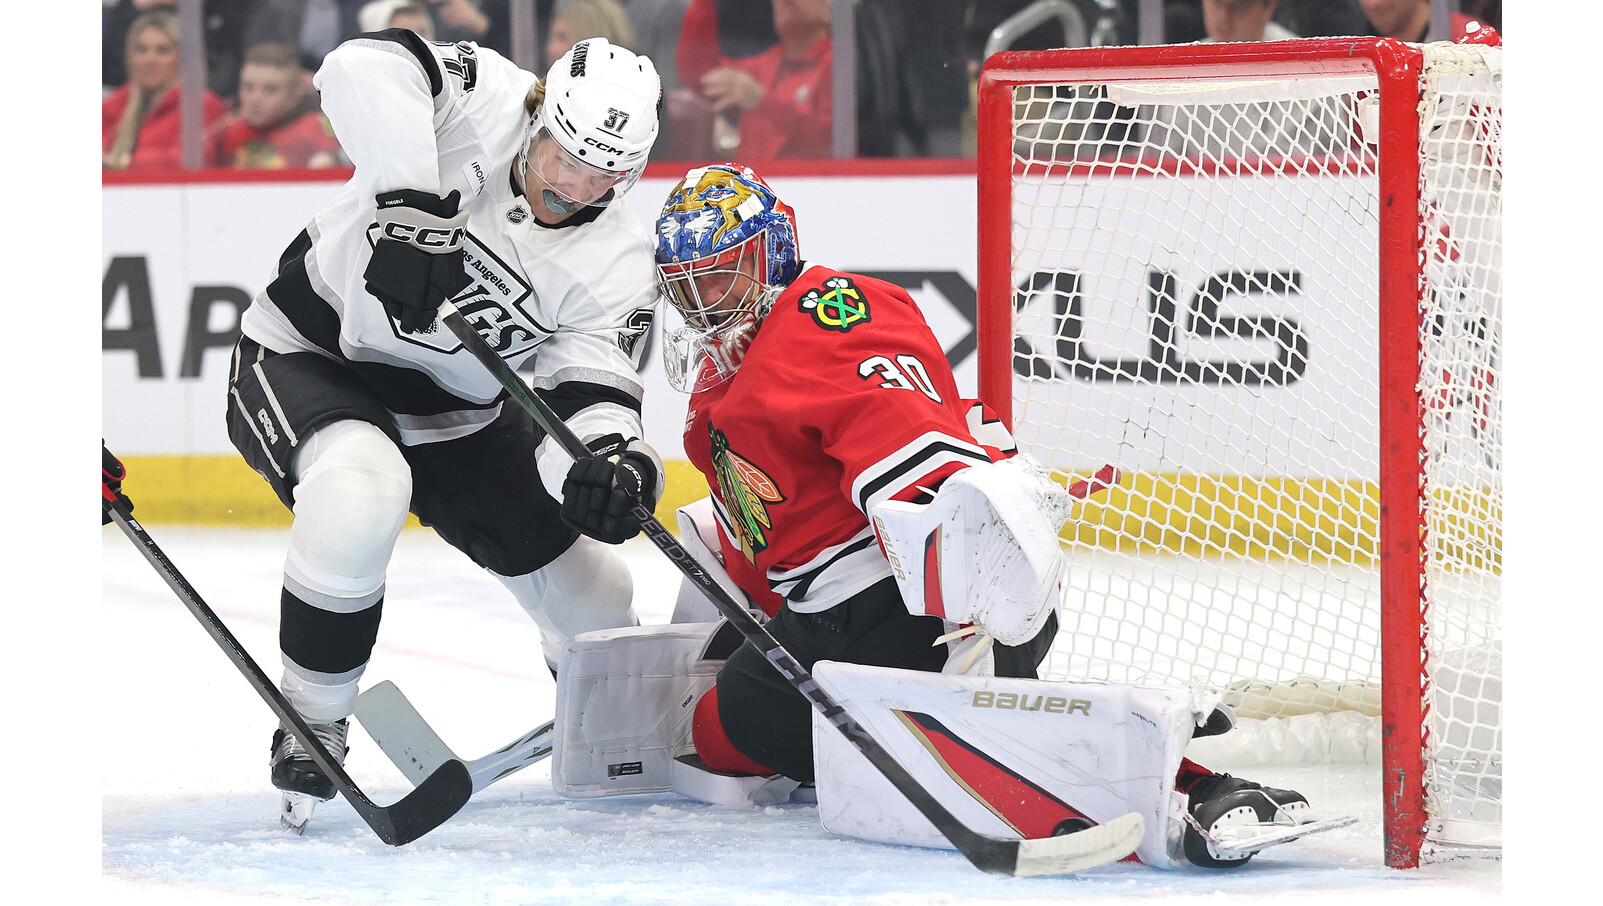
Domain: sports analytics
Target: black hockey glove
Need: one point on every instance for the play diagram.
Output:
(417, 260)
(602, 487)
(111, 475)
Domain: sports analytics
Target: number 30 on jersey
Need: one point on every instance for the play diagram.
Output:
(905, 373)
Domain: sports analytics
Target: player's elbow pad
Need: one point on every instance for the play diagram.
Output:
(985, 550)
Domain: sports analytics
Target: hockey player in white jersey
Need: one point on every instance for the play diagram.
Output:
(476, 182)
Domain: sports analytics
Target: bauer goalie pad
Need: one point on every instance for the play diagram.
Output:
(625, 699)
(985, 550)
(1014, 758)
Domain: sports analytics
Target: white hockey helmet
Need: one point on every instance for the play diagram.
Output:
(600, 108)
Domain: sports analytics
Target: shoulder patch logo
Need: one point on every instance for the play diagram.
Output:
(837, 305)
(746, 492)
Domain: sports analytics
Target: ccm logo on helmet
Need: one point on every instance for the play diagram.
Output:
(424, 237)
(602, 146)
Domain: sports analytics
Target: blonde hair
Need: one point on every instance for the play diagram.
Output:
(598, 19)
(121, 152)
(535, 97)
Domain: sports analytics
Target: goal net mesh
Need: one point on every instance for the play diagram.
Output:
(1195, 263)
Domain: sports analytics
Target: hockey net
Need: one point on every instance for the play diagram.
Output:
(1263, 282)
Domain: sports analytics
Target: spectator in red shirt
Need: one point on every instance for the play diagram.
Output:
(278, 124)
(783, 95)
(714, 33)
(140, 122)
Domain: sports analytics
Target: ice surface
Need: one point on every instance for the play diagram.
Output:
(187, 815)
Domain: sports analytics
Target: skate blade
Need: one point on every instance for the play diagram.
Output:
(1245, 839)
(295, 810)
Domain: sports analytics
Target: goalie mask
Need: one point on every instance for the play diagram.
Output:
(587, 143)
(726, 249)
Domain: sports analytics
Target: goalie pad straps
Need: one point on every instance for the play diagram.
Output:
(1016, 758)
(985, 550)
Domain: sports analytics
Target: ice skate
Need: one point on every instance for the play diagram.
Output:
(1230, 819)
(295, 773)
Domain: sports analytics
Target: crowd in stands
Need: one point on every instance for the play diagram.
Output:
(259, 109)
(746, 77)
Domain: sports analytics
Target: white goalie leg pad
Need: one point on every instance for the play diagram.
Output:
(625, 699)
(698, 533)
(1015, 758)
(985, 550)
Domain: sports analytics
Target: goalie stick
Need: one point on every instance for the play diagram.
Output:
(438, 796)
(403, 735)
(1072, 852)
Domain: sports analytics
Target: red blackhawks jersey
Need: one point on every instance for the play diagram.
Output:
(843, 400)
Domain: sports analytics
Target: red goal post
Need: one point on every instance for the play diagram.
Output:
(1264, 281)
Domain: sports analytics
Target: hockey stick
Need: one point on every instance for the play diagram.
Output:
(435, 799)
(402, 734)
(1077, 851)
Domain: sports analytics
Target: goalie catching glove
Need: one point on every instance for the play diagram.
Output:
(417, 260)
(985, 550)
(602, 488)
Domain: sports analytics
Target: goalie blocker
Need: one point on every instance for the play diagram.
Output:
(1014, 758)
(983, 550)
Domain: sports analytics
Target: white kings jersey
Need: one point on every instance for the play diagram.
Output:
(569, 306)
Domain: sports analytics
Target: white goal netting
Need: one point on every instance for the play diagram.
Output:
(1201, 270)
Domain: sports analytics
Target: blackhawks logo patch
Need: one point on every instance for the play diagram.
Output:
(837, 305)
(746, 492)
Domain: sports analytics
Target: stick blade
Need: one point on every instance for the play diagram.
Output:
(433, 802)
(1081, 850)
(401, 732)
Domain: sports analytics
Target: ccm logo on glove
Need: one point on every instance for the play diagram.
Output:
(417, 257)
(424, 237)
